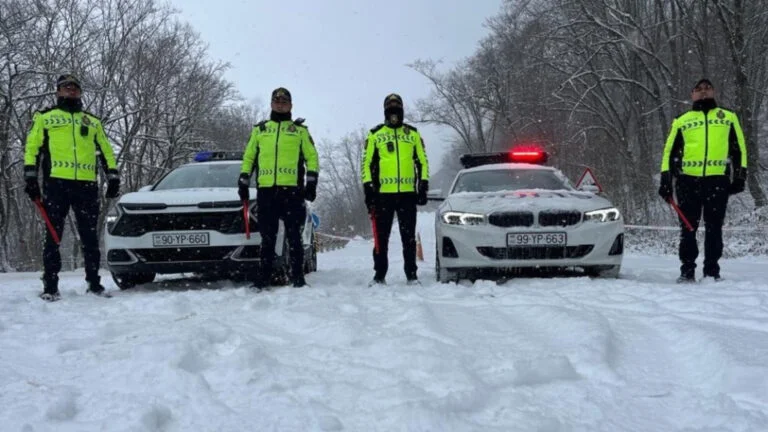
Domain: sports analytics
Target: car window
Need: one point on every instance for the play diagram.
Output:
(205, 175)
(508, 179)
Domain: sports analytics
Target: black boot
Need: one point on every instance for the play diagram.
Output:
(50, 288)
(298, 281)
(262, 281)
(95, 288)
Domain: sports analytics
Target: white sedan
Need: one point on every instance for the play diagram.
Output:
(506, 218)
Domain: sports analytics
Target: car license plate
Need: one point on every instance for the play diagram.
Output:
(180, 239)
(537, 239)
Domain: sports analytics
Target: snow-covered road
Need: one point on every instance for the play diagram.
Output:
(563, 354)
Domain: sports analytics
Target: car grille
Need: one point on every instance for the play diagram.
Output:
(559, 218)
(535, 252)
(511, 219)
(159, 255)
(135, 225)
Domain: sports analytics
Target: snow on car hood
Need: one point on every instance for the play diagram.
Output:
(180, 197)
(533, 200)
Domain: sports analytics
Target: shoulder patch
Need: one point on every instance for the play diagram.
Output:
(300, 122)
(407, 126)
(262, 125)
(377, 127)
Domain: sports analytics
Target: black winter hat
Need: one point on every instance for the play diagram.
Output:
(281, 92)
(66, 79)
(703, 81)
(393, 97)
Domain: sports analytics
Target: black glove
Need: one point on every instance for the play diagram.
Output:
(665, 189)
(370, 196)
(737, 186)
(113, 184)
(423, 189)
(243, 184)
(32, 188)
(310, 190)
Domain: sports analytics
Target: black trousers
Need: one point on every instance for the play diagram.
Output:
(387, 205)
(273, 204)
(697, 196)
(83, 197)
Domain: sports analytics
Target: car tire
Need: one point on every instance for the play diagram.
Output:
(444, 275)
(604, 272)
(281, 271)
(129, 280)
(310, 256)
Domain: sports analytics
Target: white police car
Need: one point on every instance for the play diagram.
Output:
(192, 221)
(506, 212)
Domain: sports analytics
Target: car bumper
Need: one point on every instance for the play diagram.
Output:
(485, 247)
(228, 253)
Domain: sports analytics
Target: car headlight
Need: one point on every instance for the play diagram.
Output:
(112, 216)
(461, 218)
(603, 215)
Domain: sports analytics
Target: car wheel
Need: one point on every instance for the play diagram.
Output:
(444, 275)
(129, 280)
(281, 271)
(310, 257)
(603, 272)
(313, 260)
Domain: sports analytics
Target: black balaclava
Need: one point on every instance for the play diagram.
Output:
(704, 104)
(68, 104)
(393, 115)
(280, 92)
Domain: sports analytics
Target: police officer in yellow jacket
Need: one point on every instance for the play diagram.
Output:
(282, 153)
(395, 176)
(705, 152)
(69, 145)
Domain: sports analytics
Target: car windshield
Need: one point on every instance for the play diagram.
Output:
(204, 175)
(508, 180)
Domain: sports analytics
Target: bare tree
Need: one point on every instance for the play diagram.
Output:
(147, 75)
(341, 202)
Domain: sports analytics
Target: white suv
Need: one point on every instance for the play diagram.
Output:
(192, 221)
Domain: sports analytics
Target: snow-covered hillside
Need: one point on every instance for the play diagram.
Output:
(564, 354)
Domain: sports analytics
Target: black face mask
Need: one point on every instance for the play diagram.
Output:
(393, 115)
(704, 104)
(276, 116)
(69, 104)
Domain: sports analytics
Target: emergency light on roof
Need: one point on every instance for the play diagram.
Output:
(530, 155)
(207, 156)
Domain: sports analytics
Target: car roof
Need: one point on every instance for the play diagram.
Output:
(508, 166)
(213, 162)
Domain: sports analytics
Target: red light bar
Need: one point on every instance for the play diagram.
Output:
(532, 156)
(528, 155)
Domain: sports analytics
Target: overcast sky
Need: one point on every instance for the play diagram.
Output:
(339, 58)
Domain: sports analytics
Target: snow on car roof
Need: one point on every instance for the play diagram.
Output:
(491, 167)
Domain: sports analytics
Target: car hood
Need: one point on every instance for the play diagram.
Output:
(531, 200)
(184, 197)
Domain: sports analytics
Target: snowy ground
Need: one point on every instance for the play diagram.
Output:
(562, 354)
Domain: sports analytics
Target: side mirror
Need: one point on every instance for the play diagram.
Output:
(435, 195)
(593, 188)
(145, 188)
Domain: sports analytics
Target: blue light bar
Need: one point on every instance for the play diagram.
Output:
(207, 156)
